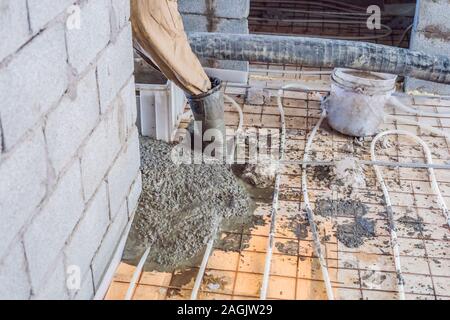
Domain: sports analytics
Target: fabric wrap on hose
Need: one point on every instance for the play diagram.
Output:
(327, 53)
(159, 31)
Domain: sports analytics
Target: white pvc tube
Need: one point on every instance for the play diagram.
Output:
(419, 124)
(201, 272)
(317, 244)
(393, 233)
(240, 126)
(429, 160)
(414, 165)
(396, 103)
(270, 244)
(392, 227)
(210, 246)
(318, 250)
(412, 122)
(400, 105)
(239, 110)
(310, 212)
(298, 72)
(136, 275)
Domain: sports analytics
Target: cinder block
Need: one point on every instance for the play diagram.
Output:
(123, 173)
(431, 35)
(120, 15)
(109, 244)
(45, 237)
(86, 291)
(85, 43)
(135, 194)
(199, 23)
(423, 43)
(89, 232)
(55, 288)
(43, 11)
(114, 68)
(72, 122)
(128, 96)
(236, 9)
(101, 149)
(32, 82)
(432, 13)
(14, 283)
(14, 28)
(1, 138)
(22, 187)
(120, 118)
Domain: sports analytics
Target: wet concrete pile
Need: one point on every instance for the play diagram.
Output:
(180, 206)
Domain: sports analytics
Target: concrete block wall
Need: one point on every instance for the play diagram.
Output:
(431, 34)
(69, 149)
(223, 16)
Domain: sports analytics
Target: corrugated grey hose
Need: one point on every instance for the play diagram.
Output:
(322, 53)
(209, 110)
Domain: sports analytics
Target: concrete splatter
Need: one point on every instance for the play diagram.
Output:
(354, 233)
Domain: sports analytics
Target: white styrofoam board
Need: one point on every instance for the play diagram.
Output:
(161, 108)
(228, 75)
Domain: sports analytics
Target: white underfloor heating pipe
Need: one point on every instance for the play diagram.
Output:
(308, 208)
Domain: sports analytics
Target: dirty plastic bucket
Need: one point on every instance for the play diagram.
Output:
(357, 100)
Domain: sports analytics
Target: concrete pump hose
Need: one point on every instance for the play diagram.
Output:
(318, 52)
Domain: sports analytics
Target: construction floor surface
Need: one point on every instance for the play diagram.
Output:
(364, 272)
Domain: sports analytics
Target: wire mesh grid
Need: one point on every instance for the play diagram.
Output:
(323, 19)
(235, 268)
